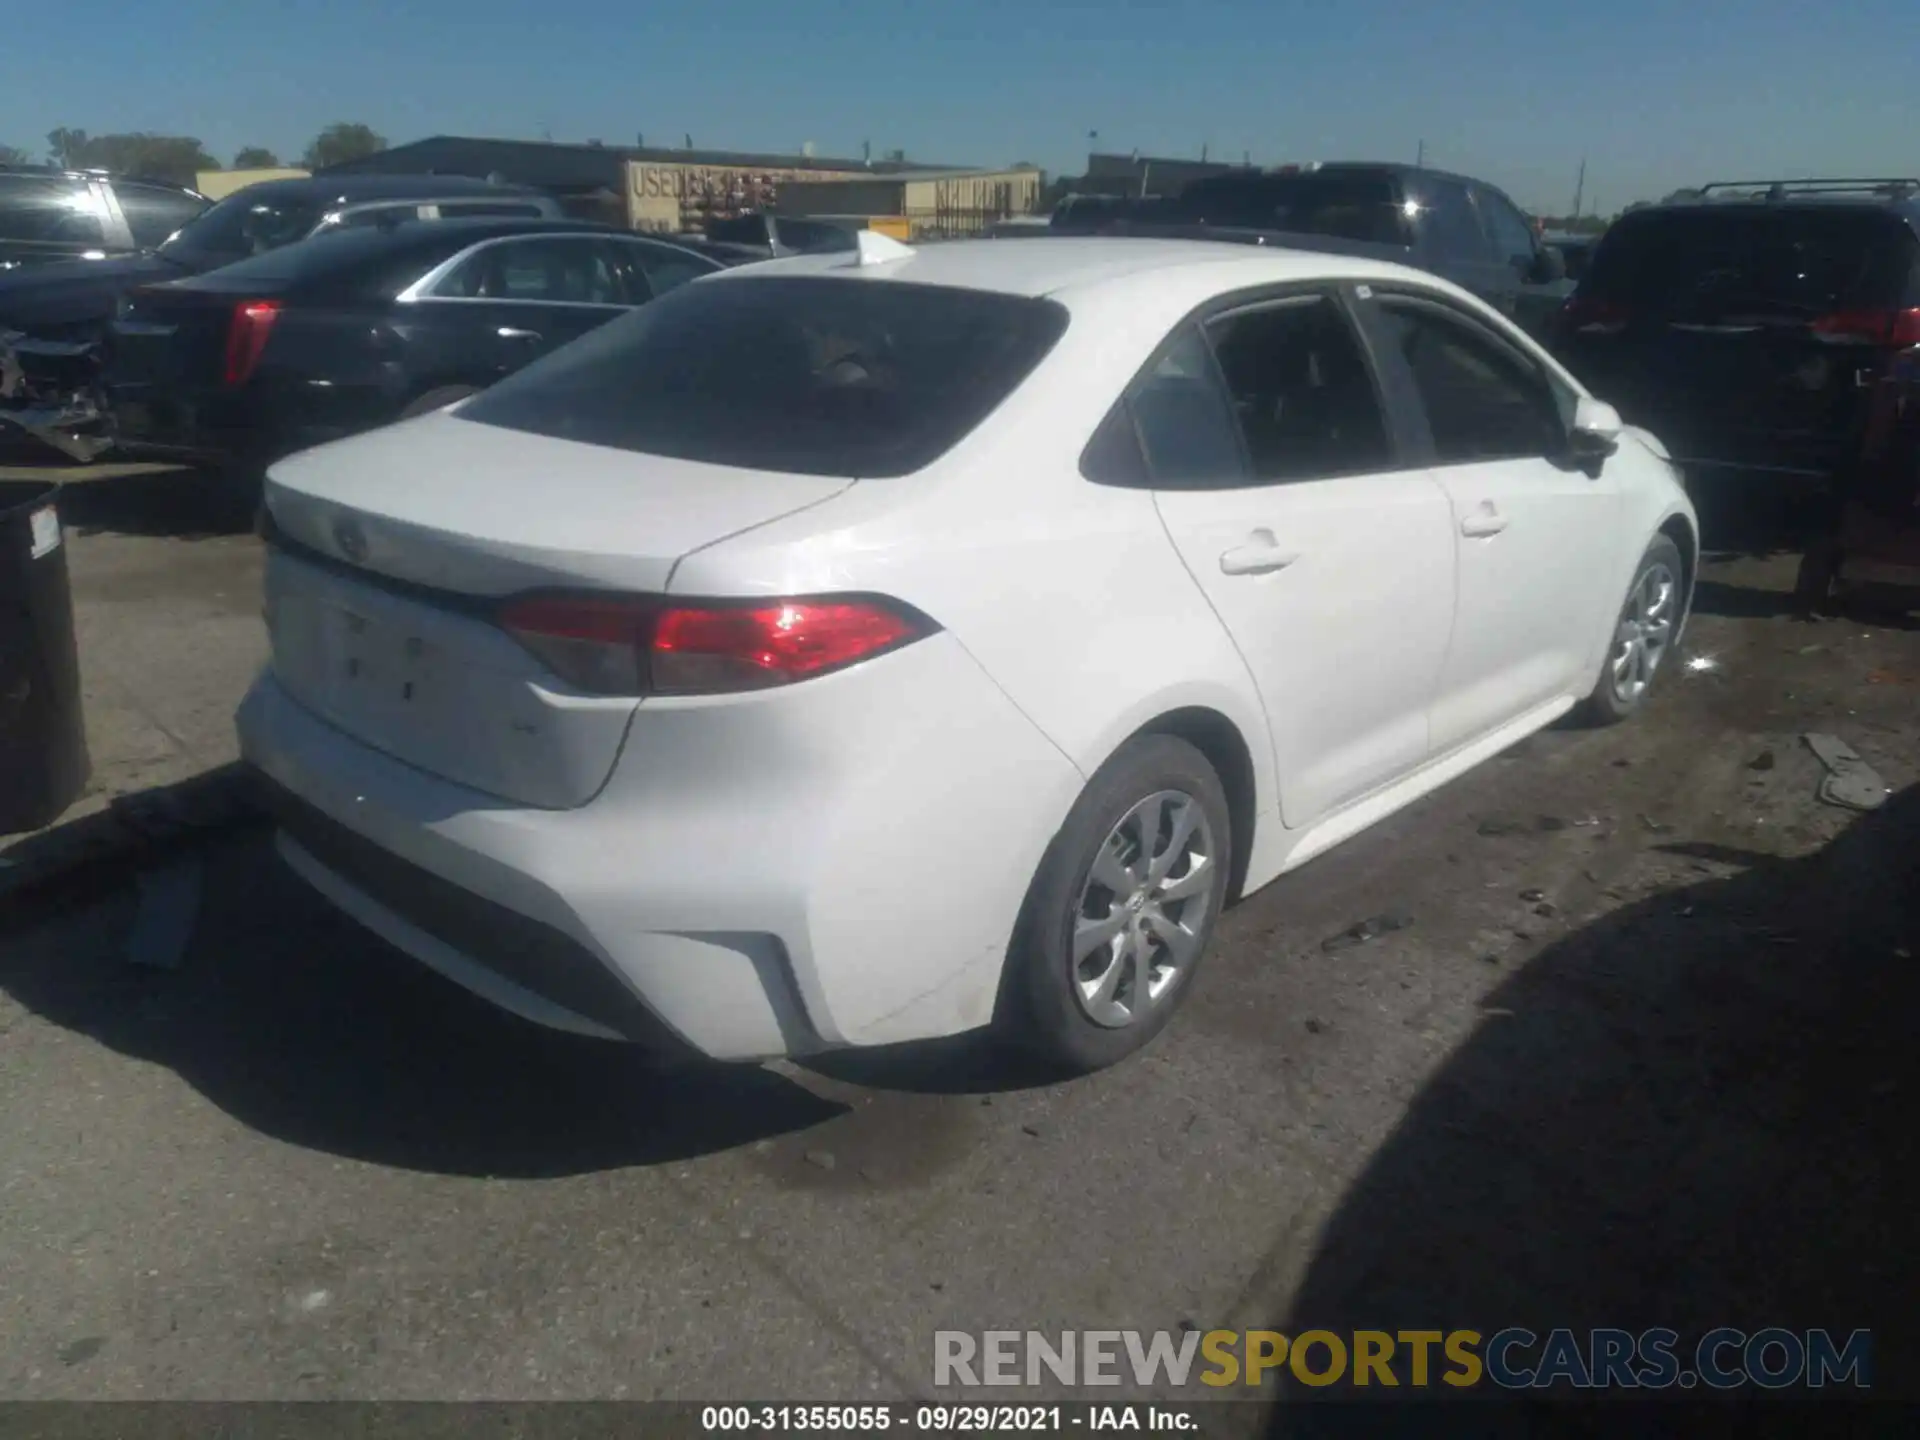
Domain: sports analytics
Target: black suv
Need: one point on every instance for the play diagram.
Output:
(48, 214)
(1460, 229)
(1749, 327)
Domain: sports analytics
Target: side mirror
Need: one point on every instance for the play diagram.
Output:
(1596, 429)
(1549, 266)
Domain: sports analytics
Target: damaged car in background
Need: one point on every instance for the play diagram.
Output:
(55, 318)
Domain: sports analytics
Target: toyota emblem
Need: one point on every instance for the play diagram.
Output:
(350, 539)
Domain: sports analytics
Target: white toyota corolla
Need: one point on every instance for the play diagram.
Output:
(862, 648)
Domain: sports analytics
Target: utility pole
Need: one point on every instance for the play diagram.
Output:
(1420, 157)
(1580, 188)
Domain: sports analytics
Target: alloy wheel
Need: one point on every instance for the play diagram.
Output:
(1645, 632)
(1143, 909)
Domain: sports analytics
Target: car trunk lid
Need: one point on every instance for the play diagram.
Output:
(394, 552)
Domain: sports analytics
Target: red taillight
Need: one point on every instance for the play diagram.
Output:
(1869, 327)
(1594, 317)
(247, 337)
(615, 645)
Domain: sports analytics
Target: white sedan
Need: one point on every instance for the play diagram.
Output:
(862, 648)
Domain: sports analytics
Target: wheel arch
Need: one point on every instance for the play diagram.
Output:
(1220, 740)
(1679, 528)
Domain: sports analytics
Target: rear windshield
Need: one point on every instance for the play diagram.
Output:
(330, 252)
(245, 224)
(1349, 207)
(1703, 264)
(739, 230)
(804, 375)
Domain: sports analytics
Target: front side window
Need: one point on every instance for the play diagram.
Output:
(571, 271)
(808, 375)
(1513, 239)
(1483, 401)
(1452, 229)
(1302, 391)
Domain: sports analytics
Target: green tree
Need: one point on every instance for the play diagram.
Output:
(12, 155)
(255, 157)
(64, 146)
(341, 142)
(161, 157)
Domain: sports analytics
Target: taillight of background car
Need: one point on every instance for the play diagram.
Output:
(1899, 328)
(247, 337)
(618, 645)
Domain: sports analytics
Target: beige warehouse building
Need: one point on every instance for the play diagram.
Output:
(933, 204)
(655, 188)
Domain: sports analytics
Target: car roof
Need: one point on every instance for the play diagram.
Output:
(358, 245)
(1047, 266)
(57, 172)
(354, 189)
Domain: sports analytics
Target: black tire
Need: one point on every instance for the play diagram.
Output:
(1813, 585)
(1042, 1011)
(1607, 705)
(438, 399)
(234, 495)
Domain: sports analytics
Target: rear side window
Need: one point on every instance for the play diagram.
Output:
(568, 271)
(1185, 424)
(1302, 391)
(50, 209)
(1706, 264)
(1345, 206)
(153, 213)
(803, 375)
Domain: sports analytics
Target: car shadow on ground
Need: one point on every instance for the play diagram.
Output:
(1696, 1112)
(1754, 513)
(175, 503)
(298, 1023)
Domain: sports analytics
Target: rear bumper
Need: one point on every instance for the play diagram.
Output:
(757, 880)
(254, 426)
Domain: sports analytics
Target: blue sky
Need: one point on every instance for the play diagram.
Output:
(1654, 93)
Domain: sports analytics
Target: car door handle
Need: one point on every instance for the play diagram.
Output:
(1262, 556)
(510, 332)
(1483, 522)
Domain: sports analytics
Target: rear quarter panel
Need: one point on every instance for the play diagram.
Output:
(1070, 595)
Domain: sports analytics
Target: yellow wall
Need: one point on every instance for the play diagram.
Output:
(218, 184)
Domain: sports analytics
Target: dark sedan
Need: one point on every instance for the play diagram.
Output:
(350, 331)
